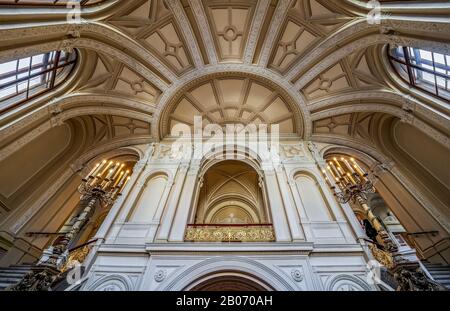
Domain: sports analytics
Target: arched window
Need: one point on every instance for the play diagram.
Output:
(426, 70)
(26, 78)
(69, 3)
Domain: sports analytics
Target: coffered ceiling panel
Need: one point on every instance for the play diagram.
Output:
(112, 77)
(230, 23)
(153, 25)
(107, 127)
(233, 100)
(356, 125)
(351, 73)
(307, 23)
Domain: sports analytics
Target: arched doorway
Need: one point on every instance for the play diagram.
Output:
(229, 281)
(230, 206)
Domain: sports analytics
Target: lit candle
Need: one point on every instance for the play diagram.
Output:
(119, 169)
(123, 179)
(99, 168)
(351, 178)
(119, 179)
(357, 167)
(339, 167)
(111, 172)
(106, 168)
(348, 165)
(331, 171)
(125, 183)
(335, 170)
(91, 173)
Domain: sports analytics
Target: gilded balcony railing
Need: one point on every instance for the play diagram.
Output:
(230, 233)
(77, 255)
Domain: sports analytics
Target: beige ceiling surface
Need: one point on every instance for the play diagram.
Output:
(233, 100)
(314, 67)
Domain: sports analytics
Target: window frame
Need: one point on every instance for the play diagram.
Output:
(411, 78)
(54, 65)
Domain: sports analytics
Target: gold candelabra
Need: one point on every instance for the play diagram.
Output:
(350, 178)
(352, 183)
(105, 181)
(102, 186)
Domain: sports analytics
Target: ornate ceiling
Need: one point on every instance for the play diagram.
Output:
(315, 67)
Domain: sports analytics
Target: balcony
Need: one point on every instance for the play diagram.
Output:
(229, 233)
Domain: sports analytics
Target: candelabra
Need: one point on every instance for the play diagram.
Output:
(353, 184)
(101, 187)
(350, 182)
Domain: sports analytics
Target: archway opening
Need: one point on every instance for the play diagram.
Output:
(229, 281)
(231, 206)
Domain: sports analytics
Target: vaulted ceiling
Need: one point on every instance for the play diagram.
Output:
(315, 67)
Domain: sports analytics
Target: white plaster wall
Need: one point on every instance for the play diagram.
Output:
(176, 272)
(149, 200)
(316, 248)
(316, 207)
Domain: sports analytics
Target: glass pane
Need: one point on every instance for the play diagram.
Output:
(7, 80)
(428, 67)
(426, 55)
(38, 59)
(24, 63)
(22, 86)
(439, 58)
(430, 70)
(428, 77)
(441, 82)
(7, 92)
(8, 67)
(19, 81)
(35, 81)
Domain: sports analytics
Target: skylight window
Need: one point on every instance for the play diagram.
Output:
(429, 71)
(26, 78)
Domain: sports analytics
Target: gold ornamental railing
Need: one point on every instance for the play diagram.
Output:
(230, 233)
(77, 255)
